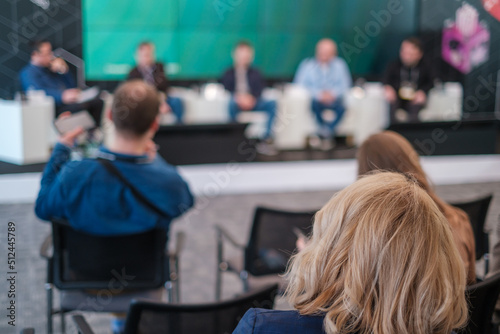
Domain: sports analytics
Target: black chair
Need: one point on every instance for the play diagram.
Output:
(477, 211)
(482, 298)
(272, 242)
(221, 317)
(103, 273)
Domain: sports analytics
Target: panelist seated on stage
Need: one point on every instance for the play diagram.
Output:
(245, 83)
(153, 72)
(50, 74)
(408, 81)
(327, 78)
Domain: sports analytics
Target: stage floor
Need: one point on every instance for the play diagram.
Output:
(212, 180)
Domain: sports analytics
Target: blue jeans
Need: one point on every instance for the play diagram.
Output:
(177, 107)
(328, 128)
(268, 106)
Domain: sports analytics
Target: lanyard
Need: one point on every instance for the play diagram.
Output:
(114, 157)
(411, 75)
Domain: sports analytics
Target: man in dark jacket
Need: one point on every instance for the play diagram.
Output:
(246, 84)
(408, 80)
(151, 71)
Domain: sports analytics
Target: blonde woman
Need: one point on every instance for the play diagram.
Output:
(390, 151)
(381, 260)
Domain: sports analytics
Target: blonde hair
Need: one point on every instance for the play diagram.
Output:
(390, 151)
(381, 260)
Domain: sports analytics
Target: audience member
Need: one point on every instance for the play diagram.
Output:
(390, 151)
(382, 260)
(151, 71)
(327, 78)
(408, 80)
(52, 75)
(245, 83)
(94, 200)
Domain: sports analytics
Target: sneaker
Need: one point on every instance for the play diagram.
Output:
(327, 144)
(314, 142)
(401, 116)
(266, 147)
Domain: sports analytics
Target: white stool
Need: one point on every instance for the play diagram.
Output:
(294, 120)
(444, 104)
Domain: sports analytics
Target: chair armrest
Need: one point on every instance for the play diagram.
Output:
(180, 239)
(82, 325)
(223, 234)
(174, 254)
(46, 247)
(27, 331)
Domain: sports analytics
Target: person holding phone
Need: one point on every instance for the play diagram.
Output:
(50, 74)
(97, 201)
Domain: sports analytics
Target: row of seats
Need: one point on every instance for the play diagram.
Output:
(142, 259)
(366, 111)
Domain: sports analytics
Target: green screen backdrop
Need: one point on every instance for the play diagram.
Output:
(195, 37)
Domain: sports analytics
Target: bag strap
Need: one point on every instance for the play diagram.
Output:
(113, 170)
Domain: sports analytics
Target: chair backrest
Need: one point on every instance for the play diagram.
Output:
(482, 299)
(85, 261)
(222, 317)
(477, 211)
(273, 239)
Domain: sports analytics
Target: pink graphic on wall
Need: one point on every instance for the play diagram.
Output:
(466, 41)
(493, 7)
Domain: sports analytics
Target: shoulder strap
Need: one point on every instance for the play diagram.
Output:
(113, 170)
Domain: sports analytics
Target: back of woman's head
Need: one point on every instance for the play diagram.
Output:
(390, 151)
(381, 260)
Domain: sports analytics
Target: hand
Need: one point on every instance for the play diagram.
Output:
(301, 243)
(326, 97)
(245, 101)
(68, 138)
(420, 97)
(164, 107)
(151, 149)
(70, 95)
(58, 65)
(390, 94)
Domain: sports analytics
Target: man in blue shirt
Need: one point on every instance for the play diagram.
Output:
(327, 78)
(95, 201)
(52, 75)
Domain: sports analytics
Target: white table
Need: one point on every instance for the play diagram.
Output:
(26, 130)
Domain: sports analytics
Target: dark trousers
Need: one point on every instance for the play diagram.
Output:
(94, 107)
(411, 108)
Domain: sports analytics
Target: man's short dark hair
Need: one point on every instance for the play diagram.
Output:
(246, 44)
(135, 106)
(37, 44)
(416, 42)
(144, 43)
